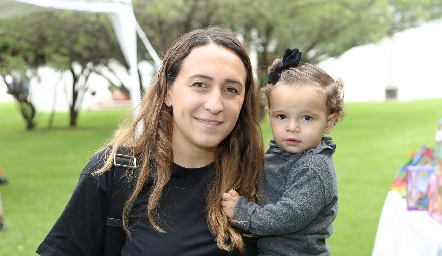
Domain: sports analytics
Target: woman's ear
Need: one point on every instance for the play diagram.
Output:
(330, 123)
(168, 100)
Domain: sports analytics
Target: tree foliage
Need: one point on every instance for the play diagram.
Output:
(84, 43)
(79, 43)
(411, 13)
(319, 28)
(18, 60)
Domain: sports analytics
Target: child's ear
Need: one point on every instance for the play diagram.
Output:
(330, 123)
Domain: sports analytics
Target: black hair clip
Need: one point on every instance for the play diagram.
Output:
(290, 60)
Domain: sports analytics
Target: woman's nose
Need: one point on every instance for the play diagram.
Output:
(214, 102)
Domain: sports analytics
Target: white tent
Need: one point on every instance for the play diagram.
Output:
(120, 13)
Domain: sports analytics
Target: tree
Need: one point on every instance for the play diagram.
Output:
(17, 84)
(164, 21)
(84, 43)
(18, 60)
(80, 43)
(411, 13)
(320, 28)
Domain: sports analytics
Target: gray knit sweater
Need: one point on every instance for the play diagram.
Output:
(299, 202)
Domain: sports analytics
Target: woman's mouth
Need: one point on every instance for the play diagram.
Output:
(211, 122)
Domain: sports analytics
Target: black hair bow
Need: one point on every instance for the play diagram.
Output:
(290, 60)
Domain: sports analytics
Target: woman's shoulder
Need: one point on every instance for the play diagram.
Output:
(96, 162)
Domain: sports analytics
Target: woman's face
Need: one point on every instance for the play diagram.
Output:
(206, 97)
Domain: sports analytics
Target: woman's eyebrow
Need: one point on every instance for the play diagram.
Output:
(233, 81)
(228, 80)
(202, 76)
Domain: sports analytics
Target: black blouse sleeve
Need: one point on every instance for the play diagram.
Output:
(81, 228)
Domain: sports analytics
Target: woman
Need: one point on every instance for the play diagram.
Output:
(197, 136)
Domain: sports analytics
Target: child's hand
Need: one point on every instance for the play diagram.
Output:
(228, 203)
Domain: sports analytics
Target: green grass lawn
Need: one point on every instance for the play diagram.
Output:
(42, 167)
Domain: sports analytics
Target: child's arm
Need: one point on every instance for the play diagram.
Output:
(230, 199)
(304, 197)
(288, 215)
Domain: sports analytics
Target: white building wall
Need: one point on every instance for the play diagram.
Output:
(417, 62)
(364, 72)
(4, 97)
(409, 61)
(54, 91)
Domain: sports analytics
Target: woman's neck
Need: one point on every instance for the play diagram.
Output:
(191, 158)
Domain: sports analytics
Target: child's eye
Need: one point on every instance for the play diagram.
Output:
(307, 118)
(281, 117)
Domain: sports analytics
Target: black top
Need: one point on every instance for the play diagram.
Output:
(80, 230)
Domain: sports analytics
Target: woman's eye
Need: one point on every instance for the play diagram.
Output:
(232, 90)
(199, 85)
(281, 117)
(307, 118)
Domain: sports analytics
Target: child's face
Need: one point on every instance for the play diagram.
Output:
(298, 116)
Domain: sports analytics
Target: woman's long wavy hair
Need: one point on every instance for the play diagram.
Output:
(239, 159)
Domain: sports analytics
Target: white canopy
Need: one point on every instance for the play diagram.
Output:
(120, 13)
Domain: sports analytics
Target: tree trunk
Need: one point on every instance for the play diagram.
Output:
(28, 112)
(73, 117)
(73, 113)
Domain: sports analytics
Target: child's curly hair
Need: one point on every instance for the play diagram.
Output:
(310, 75)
